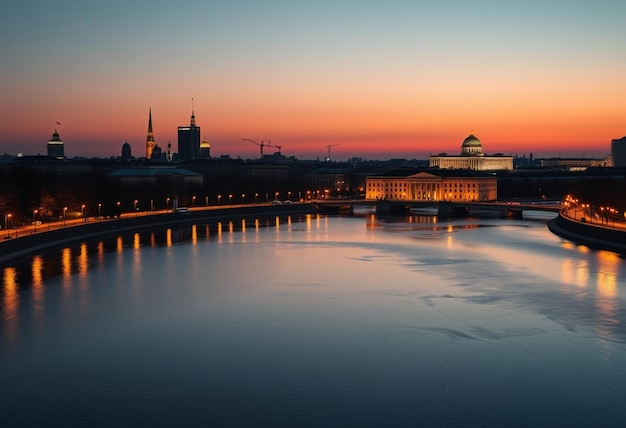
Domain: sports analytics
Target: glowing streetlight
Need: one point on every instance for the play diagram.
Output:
(243, 198)
(219, 199)
(193, 201)
(136, 207)
(256, 198)
(82, 212)
(99, 211)
(230, 199)
(7, 217)
(35, 220)
(64, 215)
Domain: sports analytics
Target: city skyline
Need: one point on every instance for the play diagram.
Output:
(376, 79)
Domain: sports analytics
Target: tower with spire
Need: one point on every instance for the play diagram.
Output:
(55, 146)
(150, 137)
(189, 139)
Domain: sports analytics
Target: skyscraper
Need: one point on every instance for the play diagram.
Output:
(189, 140)
(55, 146)
(618, 152)
(150, 137)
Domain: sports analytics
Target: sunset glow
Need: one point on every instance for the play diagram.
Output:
(378, 79)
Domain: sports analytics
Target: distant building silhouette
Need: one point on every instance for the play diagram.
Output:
(55, 147)
(157, 153)
(618, 152)
(126, 151)
(205, 149)
(150, 137)
(169, 155)
(189, 140)
(472, 157)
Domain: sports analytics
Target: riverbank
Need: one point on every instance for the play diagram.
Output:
(27, 245)
(592, 235)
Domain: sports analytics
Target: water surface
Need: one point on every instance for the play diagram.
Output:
(318, 321)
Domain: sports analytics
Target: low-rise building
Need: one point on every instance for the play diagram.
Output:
(433, 185)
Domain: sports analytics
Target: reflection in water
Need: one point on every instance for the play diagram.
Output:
(368, 294)
(10, 303)
(83, 261)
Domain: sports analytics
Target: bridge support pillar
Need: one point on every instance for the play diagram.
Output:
(449, 210)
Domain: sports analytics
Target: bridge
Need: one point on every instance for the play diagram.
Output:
(445, 209)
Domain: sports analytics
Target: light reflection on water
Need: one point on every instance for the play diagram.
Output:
(318, 321)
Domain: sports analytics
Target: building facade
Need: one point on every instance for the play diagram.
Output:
(189, 140)
(56, 148)
(432, 186)
(618, 152)
(574, 164)
(472, 157)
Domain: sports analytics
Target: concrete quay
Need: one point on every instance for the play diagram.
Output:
(597, 236)
(28, 242)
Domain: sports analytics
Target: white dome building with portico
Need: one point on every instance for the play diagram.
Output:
(472, 157)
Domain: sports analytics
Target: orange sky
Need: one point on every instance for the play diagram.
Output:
(393, 79)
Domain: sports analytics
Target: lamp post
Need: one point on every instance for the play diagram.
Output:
(193, 201)
(64, 215)
(82, 212)
(219, 199)
(167, 204)
(230, 199)
(35, 220)
(256, 198)
(7, 217)
(99, 211)
(119, 209)
(136, 208)
(243, 198)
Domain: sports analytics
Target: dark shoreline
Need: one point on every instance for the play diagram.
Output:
(592, 235)
(28, 245)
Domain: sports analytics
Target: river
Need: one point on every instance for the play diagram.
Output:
(317, 321)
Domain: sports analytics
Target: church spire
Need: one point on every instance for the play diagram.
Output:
(193, 116)
(150, 137)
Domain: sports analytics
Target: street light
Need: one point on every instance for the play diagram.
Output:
(230, 199)
(256, 198)
(99, 210)
(167, 204)
(7, 217)
(193, 201)
(64, 215)
(136, 208)
(219, 199)
(35, 220)
(243, 197)
(82, 212)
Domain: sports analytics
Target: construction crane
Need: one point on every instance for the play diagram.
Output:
(261, 144)
(328, 147)
(274, 145)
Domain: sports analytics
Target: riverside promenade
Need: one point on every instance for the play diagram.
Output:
(27, 240)
(603, 235)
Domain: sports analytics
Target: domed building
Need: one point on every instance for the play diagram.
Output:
(471, 146)
(472, 157)
(55, 147)
(205, 149)
(126, 151)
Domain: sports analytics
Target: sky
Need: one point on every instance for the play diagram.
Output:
(373, 79)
